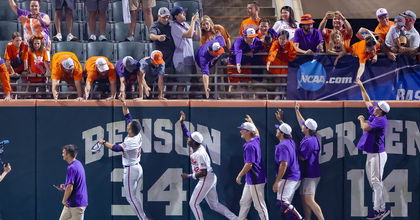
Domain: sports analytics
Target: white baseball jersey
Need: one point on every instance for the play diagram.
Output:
(200, 160)
(132, 150)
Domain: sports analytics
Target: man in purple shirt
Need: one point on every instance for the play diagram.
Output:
(287, 169)
(308, 155)
(207, 56)
(373, 143)
(254, 172)
(75, 199)
(307, 38)
(128, 71)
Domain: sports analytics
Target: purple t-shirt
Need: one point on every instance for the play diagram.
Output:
(240, 47)
(76, 176)
(373, 141)
(130, 77)
(308, 41)
(286, 151)
(204, 59)
(309, 151)
(252, 154)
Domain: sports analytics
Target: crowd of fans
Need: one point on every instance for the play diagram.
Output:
(27, 59)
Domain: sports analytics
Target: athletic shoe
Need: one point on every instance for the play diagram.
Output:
(129, 38)
(58, 37)
(384, 214)
(102, 38)
(70, 37)
(374, 215)
(92, 37)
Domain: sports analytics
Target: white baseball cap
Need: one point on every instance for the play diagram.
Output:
(102, 65)
(383, 106)
(381, 11)
(311, 124)
(197, 137)
(285, 128)
(248, 126)
(68, 64)
(164, 11)
(250, 32)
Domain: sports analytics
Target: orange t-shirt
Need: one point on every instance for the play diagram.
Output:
(92, 71)
(209, 36)
(12, 52)
(35, 59)
(381, 31)
(249, 23)
(281, 56)
(346, 36)
(57, 70)
(359, 50)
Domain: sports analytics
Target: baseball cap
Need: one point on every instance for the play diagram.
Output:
(164, 11)
(410, 14)
(311, 124)
(157, 57)
(285, 128)
(383, 106)
(101, 64)
(306, 19)
(248, 126)
(215, 49)
(380, 12)
(400, 20)
(250, 32)
(130, 64)
(197, 137)
(176, 10)
(67, 63)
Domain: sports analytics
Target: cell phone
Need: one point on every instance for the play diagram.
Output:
(58, 188)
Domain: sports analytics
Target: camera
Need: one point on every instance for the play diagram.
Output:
(268, 39)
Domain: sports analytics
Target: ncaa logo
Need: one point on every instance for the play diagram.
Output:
(311, 76)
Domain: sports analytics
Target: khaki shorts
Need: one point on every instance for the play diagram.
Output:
(308, 186)
(137, 4)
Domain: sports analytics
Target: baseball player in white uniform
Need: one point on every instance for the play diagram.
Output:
(202, 171)
(133, 172)
(373, 143)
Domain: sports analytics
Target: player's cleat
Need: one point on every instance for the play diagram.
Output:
(384, 214)
(374, 215)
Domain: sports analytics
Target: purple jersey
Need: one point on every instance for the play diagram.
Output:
(373, 141)
(252, 154)
(286, 151)
(204, 59)
(76, 177)
(130, 77)
(308, 41)
(309, 151)
(240, 47)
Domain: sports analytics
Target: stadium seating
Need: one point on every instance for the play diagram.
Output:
(77, 29)
(121, 31)
(7, 28)
(117, 13)
(191, 6)
(74, 47)
(135, 49)
(6, 14)
(106, 49)
(160, 4)
(108, 31)
(3, 44)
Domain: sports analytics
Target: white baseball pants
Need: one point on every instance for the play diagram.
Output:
(375, 164)
(253, 194)
(132, 176)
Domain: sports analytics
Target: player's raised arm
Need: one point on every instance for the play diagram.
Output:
(6, 169)
(185, 130)
(365, 95)
(249, 119)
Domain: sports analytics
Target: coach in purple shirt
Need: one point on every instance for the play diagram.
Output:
(307, 38)
(253, 170)
(207, 56)
(127, 70)
(75, 199)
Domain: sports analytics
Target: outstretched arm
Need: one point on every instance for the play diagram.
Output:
(6, 169)
(365, 95)
(126, 112)
(249, 119)
(13, 5)
(299, 116)
(185, 130)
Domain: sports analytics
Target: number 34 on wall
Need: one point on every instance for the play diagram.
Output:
(397, 181)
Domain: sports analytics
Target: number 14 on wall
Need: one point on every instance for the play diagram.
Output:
(397, 181)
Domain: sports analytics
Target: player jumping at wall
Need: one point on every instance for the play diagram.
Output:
(131, 149)
(287, 165)
(207, 180)
(308, 153)
(373, 143)
(253, 171)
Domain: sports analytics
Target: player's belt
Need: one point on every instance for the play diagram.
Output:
(132, 165)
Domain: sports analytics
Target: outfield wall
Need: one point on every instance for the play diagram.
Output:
(38, 129)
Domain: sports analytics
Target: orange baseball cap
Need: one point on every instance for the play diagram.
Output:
(306, 19)
(157, 57)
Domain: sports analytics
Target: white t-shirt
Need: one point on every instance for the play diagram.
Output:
(200, 160)
(413, 38)
(284, 25)
(393, 34)
(132, 150)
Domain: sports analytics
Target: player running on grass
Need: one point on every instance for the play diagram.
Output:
(202, 171)
(373, 143)
(131, 149)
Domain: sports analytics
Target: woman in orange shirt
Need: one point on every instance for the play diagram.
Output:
(38, 60)
(5, 80)
(209, 32)
(16, 56)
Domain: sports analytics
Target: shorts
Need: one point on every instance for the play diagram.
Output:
(309, 186)
(97, 5)
(69, 4)
(287, 190)
(137, 4)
